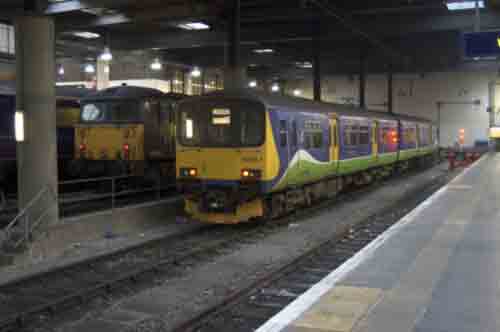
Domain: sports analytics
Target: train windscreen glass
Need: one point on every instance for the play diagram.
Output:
(215, 124)
(112, 111)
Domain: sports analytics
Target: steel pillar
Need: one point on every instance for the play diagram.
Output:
(362, 81)
(390, 90)
(234, 72)
(316, 72)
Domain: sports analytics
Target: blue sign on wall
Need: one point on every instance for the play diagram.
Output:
(482, 44)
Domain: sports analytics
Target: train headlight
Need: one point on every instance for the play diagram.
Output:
(251, 174)
(189, 172)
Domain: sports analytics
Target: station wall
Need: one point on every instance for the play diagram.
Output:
(418, 95)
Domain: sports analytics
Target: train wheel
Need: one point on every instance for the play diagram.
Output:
(277, 206)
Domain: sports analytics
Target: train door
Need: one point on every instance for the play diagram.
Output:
(284, 146)
(374, 140)
(334, 140)
(293, 135)
(152, 134)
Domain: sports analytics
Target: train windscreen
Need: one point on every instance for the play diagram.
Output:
(112, 111)
(221, 124)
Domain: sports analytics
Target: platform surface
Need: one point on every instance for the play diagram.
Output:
(436, 270)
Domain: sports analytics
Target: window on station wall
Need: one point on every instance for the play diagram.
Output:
(7, 37)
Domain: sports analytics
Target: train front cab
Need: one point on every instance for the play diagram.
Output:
(126, 136)
(225, 158)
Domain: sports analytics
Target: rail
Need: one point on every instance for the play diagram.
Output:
(117, 189)
(22, 220)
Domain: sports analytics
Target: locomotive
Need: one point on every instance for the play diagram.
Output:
(243, 154)
(126, 130)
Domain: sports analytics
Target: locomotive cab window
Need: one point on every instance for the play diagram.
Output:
(113, 111)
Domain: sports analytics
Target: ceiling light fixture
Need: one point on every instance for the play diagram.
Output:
(60, 71)
(86, 34)
(106, 55)
(464, 5)
(156, 65)
(89, 69)
(304, 65)
(264, 51)
(275, 87)
(297, 92)
(196, 72)
(193, 26)
(252, 84)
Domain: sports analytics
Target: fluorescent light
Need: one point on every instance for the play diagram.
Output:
(464, 5)
(106, 55)
(86, 34)
(297, 92)
(252, 84)
(196, 72)
(275, 87)
(19, 126)
(89, 69)
(304, 65)
(61, 71)
(264, 50)
(193, 26)
(156, 65)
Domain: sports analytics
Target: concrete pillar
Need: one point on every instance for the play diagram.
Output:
(102, 75)
(35, 79)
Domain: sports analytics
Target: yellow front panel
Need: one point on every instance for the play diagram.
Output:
(67, 116)
(227, 163)
(106, 142)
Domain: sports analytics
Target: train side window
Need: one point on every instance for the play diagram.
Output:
(317, 138)
(364, 135)
(283, 133)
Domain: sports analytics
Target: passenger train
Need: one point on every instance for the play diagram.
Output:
(126, 130)
(243, 155)
(67, 115)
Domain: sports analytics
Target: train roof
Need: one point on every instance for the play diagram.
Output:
(8, 88)
(305, 105)
(124, 92)
(130, 92)
(71, 92)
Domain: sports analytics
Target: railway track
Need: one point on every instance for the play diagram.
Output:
(32, 301)
(247, 309)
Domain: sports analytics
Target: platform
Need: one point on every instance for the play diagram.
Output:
(436, 270)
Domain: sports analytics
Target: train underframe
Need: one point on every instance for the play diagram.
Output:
(242, 203)
(153, 170)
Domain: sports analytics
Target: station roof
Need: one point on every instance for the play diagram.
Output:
(409, 35)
